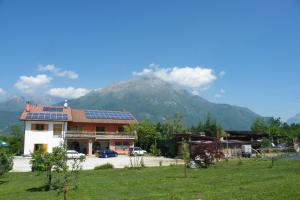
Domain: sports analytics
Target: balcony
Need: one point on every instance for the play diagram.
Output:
(100, 135)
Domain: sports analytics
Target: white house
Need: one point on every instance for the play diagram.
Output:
(45, 127)
(83, 130)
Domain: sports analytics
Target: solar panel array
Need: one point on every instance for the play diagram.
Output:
(47, 116)
(51, 109)
(97, 114)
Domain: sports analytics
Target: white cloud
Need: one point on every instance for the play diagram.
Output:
(69, 92)
(2, 91)
(29, 84)
(220, 93)
(222, 73)
(196, 78)
(58, 71)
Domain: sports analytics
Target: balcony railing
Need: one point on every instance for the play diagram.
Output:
(100, 135)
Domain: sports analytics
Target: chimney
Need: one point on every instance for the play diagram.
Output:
(27, 106)
(66, 103)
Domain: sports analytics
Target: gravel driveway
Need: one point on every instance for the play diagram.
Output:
(21, 164)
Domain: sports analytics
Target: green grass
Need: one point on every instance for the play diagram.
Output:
(226, 180)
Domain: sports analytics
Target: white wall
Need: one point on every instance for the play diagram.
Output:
(41, 137)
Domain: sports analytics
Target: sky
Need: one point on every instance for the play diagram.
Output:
(244, 53)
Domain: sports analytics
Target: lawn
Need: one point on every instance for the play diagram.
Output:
(225, 180)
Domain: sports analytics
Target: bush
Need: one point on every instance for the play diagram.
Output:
(266, 143)
(6, 162)
(154, 150)
(105, 166)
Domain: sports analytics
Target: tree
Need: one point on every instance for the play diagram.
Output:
(6, 162)
(15, 140)
(209, 127)
(171, 126)
(58, 174)
(185, 155)
(67, 177)
(259, 126)
(147, 134)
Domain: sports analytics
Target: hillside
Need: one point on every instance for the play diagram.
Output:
(154, 99)
(294, 120)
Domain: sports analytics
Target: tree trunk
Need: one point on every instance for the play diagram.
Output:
(65, 192)
(296, 144)
(49, 174)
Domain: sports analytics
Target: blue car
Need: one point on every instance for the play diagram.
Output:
(107, 153)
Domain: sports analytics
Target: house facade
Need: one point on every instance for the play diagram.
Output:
(85, 131)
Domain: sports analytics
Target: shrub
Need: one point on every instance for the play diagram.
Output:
(266, 143)
(6, 162)
(154, 150)
(105, 166)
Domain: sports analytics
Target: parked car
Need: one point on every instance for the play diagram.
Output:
(107, 153)
(136, 151)
(3, 144)
(72, 154)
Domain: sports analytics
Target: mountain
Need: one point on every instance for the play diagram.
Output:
(11, 108)
(294, 120)
(155, 99)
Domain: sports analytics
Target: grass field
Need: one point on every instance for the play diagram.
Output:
(226, 180)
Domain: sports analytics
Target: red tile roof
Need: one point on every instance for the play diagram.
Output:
(40, 109)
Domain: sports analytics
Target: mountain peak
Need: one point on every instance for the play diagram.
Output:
(155, 99)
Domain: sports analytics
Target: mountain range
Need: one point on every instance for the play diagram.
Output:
(146, 98)
(154, 99)
(294, 120)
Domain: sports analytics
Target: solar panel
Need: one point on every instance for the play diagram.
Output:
(51, 109)
(47, 116)
(97, 114)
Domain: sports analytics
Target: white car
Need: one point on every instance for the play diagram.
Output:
(136, 151)
(71, 154)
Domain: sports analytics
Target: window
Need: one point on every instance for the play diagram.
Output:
(120, 129)
(100, 129)
(122, 145)
(57, 130)
(39, 127)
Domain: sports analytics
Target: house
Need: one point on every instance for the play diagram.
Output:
(83, 130)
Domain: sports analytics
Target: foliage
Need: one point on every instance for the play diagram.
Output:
(185, 155)
(275, 128)
(208, 152)
(209, 127)
(15, 140)
(259, 126)
(147, 134)
(6, 162)
(171, 126)
(167, 147)
(266, 143)
(59, 175)
(67, 177)
(154, 150)
(104, 166)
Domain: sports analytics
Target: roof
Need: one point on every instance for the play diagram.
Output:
(75, 115)
(80, 116)
(243, 133)
(39, 109)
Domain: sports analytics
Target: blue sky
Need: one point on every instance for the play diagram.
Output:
(255, 45)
